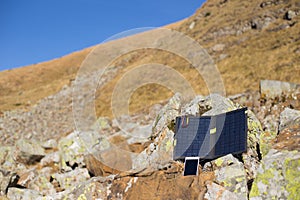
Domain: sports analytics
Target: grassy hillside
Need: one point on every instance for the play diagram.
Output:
(248, 40)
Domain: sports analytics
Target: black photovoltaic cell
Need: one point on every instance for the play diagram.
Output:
(209, 137)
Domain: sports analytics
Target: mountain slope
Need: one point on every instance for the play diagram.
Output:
(248, 41)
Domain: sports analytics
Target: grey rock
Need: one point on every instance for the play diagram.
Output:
(135, 133)
(95, 188)
(288, 116)
(193, 107)
(231, 173)
(22, 194)
(50, 158)
(28, 151)
(290, 15)
(222, 56)
(70, 179)
(250, 158)
(7, 161)
(278, 176)
(49, 144)
(168, 113)
(261, 22)
(103, 124)
(73, 147)
(42, 184)
(272, 89)
(217, 192)
(218, 104)
(7, 179)
(192, 25)
(158, 154)
(218, 47)
(213, 104)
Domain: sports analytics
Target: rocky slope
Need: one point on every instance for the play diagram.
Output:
(44, 156)
(115, 165)
(248, 40)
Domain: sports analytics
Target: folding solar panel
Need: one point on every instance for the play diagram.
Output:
(209, 137)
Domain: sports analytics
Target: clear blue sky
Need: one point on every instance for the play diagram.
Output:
(32, 31)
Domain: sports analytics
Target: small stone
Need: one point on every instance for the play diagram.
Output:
(50, 144)
(192, 25)
(218, 47)
(289, 15)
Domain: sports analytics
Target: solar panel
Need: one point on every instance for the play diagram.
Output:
(191, 165)
(209, 137)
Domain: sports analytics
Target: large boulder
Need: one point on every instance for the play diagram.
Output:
(166, 115)
(28, 151)
(272, 89)
(217, 192)
(158, 154)
(251, 157)
(288, 116)
(230, 173)
(76, 145)
(278, 176)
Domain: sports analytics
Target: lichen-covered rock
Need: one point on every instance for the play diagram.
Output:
(278, 176)
(104, 123)
(7, 161)
(251, 158)
(156, 155)
(265, 142)
(168, 113)
(41, 182)
(95, 188)
(288, 116)
(217, 192)
(230, 173)
(28, 151)
(70, 179)
(73, 148)
(22, 194)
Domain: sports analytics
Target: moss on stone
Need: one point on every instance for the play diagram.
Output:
(254, 190)
(293, 178)
(219, 162)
